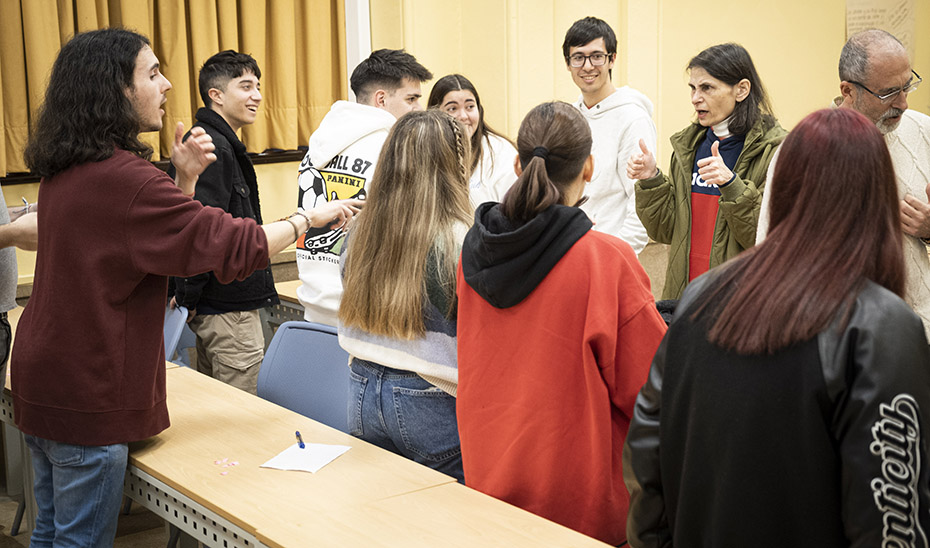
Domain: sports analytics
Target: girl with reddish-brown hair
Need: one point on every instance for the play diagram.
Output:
(787, 404)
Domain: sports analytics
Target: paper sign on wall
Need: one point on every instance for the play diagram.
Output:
(894, 16)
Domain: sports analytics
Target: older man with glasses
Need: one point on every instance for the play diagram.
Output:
(875, 80)
(619, 118)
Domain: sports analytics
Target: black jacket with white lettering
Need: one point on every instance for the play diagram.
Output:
(824, 443)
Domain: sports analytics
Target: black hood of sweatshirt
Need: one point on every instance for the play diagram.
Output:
(504, 261)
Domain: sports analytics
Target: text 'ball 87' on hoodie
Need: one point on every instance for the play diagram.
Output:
(556, 331)
(339, 163)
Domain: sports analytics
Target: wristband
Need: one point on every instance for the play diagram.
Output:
(294, 226)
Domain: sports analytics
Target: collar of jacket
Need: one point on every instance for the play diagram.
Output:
(686, 141)
(211, 118)
(206, 116)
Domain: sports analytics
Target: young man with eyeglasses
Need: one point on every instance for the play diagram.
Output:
(619, 118)
(875, 79)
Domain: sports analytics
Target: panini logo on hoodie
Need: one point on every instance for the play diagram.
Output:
(341, 179)
(896, 439)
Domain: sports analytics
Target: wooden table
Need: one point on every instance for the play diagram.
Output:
(366, 496)
(212, 421)
(287, 291)
(449, 515)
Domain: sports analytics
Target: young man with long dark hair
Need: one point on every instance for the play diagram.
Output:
(90, 361)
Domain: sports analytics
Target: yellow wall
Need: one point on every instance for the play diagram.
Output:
(277, 187)
(511, 49)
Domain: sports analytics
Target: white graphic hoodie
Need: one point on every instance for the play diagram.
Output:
(339, 163)
(617, 124)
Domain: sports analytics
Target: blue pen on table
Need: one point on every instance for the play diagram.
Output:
(300, 440)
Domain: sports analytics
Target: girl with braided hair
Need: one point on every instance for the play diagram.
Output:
(557, 327)
(397, 316)
(492, 152)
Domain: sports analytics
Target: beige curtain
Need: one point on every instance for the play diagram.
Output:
(299, 45)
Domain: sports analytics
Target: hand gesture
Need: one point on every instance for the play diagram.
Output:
(915, 216)
(335, 214)
(642, 165)
(191, 156)
(712, 169)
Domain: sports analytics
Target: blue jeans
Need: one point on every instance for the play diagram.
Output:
(78, 491)
(401, 412)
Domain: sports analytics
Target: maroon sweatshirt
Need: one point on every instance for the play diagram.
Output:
(88, 361)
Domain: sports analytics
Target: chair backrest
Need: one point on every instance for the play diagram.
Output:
(188, 340)
(175, 320)
(306, 371)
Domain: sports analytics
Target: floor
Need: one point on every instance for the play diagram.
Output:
(140, 529)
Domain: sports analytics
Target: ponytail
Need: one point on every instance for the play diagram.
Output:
(553, 143)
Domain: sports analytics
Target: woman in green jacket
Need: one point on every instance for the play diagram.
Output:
(707, 206)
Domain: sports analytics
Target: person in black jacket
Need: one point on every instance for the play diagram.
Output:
(225, 317)
(787, 404)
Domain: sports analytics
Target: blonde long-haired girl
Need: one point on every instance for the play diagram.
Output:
(397, 317)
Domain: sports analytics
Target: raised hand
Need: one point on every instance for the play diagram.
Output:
(191, 156)
(642, 165)
(712, 169)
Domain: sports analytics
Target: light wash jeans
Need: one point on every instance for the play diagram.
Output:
(78, 491)
(401, 412)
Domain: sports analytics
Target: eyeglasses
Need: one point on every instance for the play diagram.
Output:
(886, 97)
(597, 59)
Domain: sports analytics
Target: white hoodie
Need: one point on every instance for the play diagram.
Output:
(617, 124)
(339, 163)
(494, 175)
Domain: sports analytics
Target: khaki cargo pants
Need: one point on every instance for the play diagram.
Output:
(230, 347)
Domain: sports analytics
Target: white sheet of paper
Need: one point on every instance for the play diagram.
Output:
(310, 459)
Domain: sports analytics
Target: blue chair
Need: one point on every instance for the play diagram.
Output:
(306, 371)
(175, 321)
(188, 340)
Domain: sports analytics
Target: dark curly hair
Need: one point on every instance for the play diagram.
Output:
(86, 112)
